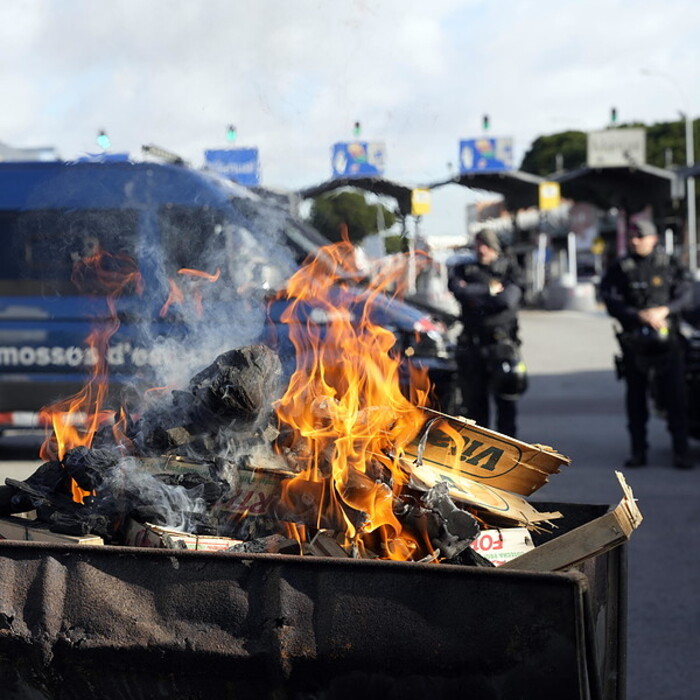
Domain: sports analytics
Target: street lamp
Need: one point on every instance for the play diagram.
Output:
(690, 180)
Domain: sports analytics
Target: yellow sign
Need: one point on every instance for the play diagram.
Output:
(598, 246)
(550, 195)
(420, 202)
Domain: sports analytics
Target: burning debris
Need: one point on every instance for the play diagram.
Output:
(344, 462)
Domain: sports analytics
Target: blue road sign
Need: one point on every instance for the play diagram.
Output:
(238, 164)
(486, 155)
(103, 158)
(358, 159)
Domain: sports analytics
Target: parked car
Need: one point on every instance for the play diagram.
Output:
(179, 229)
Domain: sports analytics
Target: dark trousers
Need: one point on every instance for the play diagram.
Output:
(474, 377)
(666, 374)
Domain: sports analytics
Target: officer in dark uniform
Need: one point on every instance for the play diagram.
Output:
(645, 291)
(489, 291)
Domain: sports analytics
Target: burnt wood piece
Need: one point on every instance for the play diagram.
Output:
(272, 544)
(460, 528)
(240, 385)
(197, 486)
(230, 400)
(90, 467)
(21, 496)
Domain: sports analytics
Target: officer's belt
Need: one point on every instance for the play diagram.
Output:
(485, 337)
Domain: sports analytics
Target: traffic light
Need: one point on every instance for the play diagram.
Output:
(485, 122)
(356, 129)
(103, 140)
(231, 133)
(613, 115)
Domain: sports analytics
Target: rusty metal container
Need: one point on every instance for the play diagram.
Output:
(120, 623)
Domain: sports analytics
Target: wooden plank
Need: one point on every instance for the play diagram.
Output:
(26, 530)
(586, 541)
(455, 445)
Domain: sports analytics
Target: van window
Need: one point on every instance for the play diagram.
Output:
(208, 239)
(191, 237)
(41, 248)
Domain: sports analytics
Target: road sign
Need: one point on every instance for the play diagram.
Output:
(103, 158)
(241, 165)
(358, 159)
(420, 201)
(550, 195)
(616, 148)
(486, 155)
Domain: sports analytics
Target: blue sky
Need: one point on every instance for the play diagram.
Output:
(294, 75)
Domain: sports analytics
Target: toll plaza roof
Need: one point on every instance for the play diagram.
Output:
(519, 189)
(629, 187)
(376, 185)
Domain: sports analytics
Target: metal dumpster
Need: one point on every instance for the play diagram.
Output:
(124, 623)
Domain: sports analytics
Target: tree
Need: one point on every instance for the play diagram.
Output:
(329, 211)
(669, 135)
(541, 159)
(542, 156)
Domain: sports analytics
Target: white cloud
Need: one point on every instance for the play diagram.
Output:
(294, 75)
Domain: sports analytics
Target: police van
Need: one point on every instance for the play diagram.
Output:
(173, 265)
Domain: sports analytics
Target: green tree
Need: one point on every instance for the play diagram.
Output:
(395, 244)
(349, 207)
(541, 159)
(669, 135)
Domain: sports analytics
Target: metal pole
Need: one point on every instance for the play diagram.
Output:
(573, 267)
(541, 261)
(412, 258)
(690, 195)
(690, 181)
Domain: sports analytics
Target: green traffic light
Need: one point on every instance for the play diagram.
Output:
(103, 140)
(485, 122)
(356, 129)
(231, 133)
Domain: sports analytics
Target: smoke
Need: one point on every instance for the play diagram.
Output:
(163, 504)
(179, 320)
(245, 247)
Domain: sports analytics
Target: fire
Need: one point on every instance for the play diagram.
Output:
(75, 420)
(349, 417)
(177, 296)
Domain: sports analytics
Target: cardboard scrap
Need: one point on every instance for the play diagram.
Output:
(588, 540)
(149, 535)
(457, 446)
(27, 530)
(501, 506)
(502, 545)
(257, 493)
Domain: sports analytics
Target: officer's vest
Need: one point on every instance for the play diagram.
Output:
(648, 284)
(495, 328)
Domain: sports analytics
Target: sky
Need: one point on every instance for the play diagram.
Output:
(295, 75)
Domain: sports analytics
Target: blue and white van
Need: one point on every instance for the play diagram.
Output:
(158, 220)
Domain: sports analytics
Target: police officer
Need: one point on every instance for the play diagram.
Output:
(489, 291)
(645, 291)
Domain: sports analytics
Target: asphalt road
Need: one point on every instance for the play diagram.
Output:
(575, 404)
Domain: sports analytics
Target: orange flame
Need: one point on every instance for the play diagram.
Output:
(75, 420)
(349, 417)
(177, 296)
